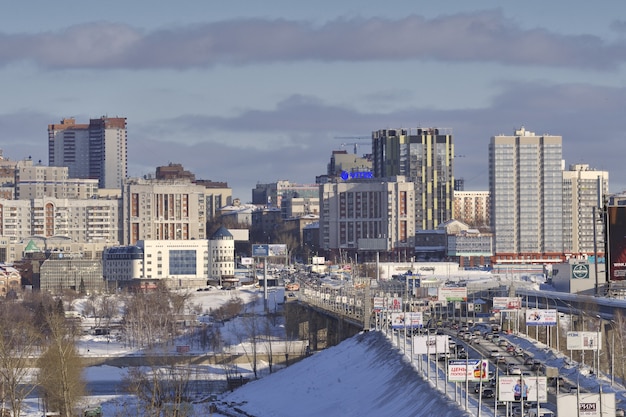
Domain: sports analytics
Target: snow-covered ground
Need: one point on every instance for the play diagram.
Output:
(365, 375)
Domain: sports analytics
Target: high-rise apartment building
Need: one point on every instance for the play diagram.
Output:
(425, 156)
(96, 150)
(163, 210)
(584, 192)
(526, 188)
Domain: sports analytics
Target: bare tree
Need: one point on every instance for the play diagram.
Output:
(60, 369)
(19, 341)
(163, 387)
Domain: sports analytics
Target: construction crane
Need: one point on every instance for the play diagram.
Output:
(355, 144)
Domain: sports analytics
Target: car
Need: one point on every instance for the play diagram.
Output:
(517, 412)
(477, 388)
(515, 370)
(528, 361)
(510, 349)
(488, 336)
(462, 355)
(536, 365)
(495, 354)
(503, 343)
(488, 393)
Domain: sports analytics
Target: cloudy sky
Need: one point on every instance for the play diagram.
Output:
(251, 91)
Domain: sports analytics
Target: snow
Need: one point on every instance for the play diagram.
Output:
(368, 374)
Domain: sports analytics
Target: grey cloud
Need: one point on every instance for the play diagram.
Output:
(477, 37)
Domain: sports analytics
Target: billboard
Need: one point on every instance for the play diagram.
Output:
(260, 250)
(430, 344)
(518, 387)
(584, 340)
(586, 404)
(506, 303)
(247, 261)
(616, 225)
(277, 250)
(452, 294)
(409, 320)
(536, 317)
(461, 370)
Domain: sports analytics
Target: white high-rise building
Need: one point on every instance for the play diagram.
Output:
(584, 192)
(526, 189)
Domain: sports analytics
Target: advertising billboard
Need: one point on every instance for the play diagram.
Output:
(536, 317)
(586, 404)
(461, 370)
(616, 225)
(411, 320)
(452, 294)
(247, 261)
(506, 303)
(430, 344)
(584, 340)
(260, 250)
(518, 387)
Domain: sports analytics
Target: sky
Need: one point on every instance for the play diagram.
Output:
(251, 92)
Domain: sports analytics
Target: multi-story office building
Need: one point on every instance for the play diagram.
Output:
(163, 209)
(177, 263)
(473, 208)
(584, 194)
(363, 215)
(96, 150)
(425, 157)
(526, 189)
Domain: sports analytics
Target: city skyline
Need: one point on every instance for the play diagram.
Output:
(247, 93)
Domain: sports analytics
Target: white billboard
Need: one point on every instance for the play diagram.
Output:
(394, 304)
(528, 388)
(411, 320)
(506, 303)
(537, 317)
(586, 404)
(247, 261)
(452, 294)
(461, 370)
(430, 344)
(584, 340)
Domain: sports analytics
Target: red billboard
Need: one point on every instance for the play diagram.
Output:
(616, 225)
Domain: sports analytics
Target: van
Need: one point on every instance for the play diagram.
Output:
(540, 412)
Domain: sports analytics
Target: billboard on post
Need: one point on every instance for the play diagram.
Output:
(452, 294)
(410, 320)
(537, 317)
(473, 370)
(584, 340)
(616, 225)
(430, 344)
(518, 387)
(586, 404)
(506, 303)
